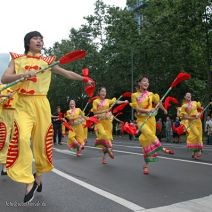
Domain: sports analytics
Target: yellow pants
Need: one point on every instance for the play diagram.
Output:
(148, 131)
(104, 129)
(77, 135)
(32, 128)
(7, 118)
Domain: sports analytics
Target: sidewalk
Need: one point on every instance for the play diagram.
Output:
(195, 205)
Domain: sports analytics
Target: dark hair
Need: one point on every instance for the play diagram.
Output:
(27, 38)
(100, 88)
(140, 78)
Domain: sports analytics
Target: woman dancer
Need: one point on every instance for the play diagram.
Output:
(103, 129)
(144, 102)
(192, 125)
(78, 136)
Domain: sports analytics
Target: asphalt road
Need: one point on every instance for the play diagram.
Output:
(83, 184)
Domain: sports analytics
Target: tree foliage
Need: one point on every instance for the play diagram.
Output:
(174, 36)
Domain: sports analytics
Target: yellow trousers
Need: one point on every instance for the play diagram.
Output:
(77, 135)
(148, 131)
(32, 137)
(7, 118)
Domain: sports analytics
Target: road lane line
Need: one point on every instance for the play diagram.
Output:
(175, 159)
(165, 145)
(130, 205)
(65, 151)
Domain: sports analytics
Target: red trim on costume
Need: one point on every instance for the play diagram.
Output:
(49, 143)
(104, 143)
(3, 134)
(15, 55)
(49, 59)
(12, 153)
(74, 145)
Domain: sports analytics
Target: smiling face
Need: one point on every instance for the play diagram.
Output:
(72, 104)
(102, 93)
(188, 96)
(143, 84)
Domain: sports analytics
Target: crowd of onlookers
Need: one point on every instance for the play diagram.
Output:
(166, 130)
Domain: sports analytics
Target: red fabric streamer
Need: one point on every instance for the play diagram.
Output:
(168, 101)
(127, 94)
(120, 107)
(91, 121)
(179, 130)
(85, 72)
(90, 89)
(180, 77)
(128, 128)
(72, 56)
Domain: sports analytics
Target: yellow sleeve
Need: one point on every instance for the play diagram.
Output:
(67, 115)
(156, 98)
(133, 103)
(182, 111)
(111, 101)
(81, 112)
(94, 106)
(199, 105)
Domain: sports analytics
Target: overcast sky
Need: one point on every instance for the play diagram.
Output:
(52, 18)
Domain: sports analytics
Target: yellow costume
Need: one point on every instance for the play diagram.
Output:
(148, 139)
(32, 121)
(193, 127)
(77, 136)
(104, 127)
(6, 122)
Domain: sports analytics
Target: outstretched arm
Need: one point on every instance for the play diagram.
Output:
(69, 74)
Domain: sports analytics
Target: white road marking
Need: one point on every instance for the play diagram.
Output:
(170, 145)
(175, 159)
(65, 151)
(130, 205)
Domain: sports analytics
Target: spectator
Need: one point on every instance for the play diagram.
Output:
(176, 137)
(208, 129)
(57, 126)
(159, 127)
(168, 129)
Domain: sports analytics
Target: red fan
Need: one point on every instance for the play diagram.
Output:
(168, 101)
(85, 72)
(91, 121)
(72, 56)
(180, 130)
(180, 77)
(90, 89)
(127, 94)
(120, 107)
(128, 128)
